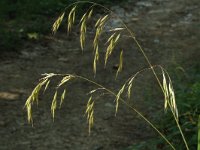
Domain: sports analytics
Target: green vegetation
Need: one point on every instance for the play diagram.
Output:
(187, 98)
(187, 95)
(21, 18)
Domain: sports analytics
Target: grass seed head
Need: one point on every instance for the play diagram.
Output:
(71, 18)
(62, 97)
(57, 23)
(54, 105)
(118, 98)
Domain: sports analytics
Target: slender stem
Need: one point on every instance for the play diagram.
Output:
(174, 115)
(148, 61)
(179, 127)
(177, 122)
(156, 76)
(131, 107)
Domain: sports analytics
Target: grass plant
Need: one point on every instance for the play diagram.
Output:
(165, 83)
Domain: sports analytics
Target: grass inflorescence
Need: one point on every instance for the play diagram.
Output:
(165, 83)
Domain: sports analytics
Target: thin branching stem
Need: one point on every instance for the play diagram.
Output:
(131, 107)
(148, 61)
(150, 65)
(174, 115)
(124, 102)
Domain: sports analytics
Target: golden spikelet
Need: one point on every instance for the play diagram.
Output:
(62, 97)
(65, 80)
(113, 39)
(37, 89)
(71, 18)
(47, 75)
(46, 86)
(118, 98)
(117, 38)
(103, 20)
(54, 105)
(109, 50)
(117, 29)
(166, 93)
(90, 113)
(169, 96)
(99, 28)
(91, 121)
(130, 84)
(83, 17)
(96, 38)
(57, 23)
(82, 34)
(28, 106)
(34, 97)
(96, 58)
(98, 22)
(93, 91)
(83, 28)
(90, 13)
(173, 100)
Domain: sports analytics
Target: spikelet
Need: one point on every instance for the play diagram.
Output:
(117, 29)
(83, 28)
(57, 23)
(113, 39)
(35, 93)
(65, 80)
(82, 34)
(98, 22)
(96, 38)
(166, 93)
(34, 97)
(109, 51)
(54, 105)
(117, 38)
(93, 91)
(28, 106)
(173, 100)
(169, 96)
(90, 113)
(120, 63)
(99, 28)
(47, 75)
(118, 98)
(71, 18)
(103, 20)
(130, 84)
(46, 86)
(90, 14)
(96, 58)
(62, 97)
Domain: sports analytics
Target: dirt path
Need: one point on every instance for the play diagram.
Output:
(168, 30)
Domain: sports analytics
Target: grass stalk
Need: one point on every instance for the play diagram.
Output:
(111, 92)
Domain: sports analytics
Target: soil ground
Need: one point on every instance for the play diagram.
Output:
(169, 33)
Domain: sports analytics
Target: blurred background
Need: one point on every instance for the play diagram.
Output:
(169, 32)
